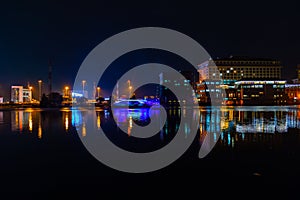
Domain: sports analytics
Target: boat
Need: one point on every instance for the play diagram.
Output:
(131, 103)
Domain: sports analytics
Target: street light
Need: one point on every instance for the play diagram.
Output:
(130, 89)
(83, 85)
(98, 91)
(40, 89)
(66, 91)
(30, 93)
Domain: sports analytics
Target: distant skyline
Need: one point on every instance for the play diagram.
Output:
(65, 32)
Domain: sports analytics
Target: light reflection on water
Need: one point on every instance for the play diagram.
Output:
(234, 123)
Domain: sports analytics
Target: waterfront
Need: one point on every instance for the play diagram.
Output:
(258, 150)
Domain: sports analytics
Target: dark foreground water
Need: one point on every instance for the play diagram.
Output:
(258, 152)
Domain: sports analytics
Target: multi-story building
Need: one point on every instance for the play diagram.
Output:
(298, 73)
(19, 94)
(237, 68)
(166, 96)
(219, 74)
(262, 92)
(293, 92)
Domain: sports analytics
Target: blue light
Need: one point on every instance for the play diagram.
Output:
(75, 94)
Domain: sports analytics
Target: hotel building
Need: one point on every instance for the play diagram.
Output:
(236, 68)
(226, 73)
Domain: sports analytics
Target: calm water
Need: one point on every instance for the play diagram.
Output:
(258, 151)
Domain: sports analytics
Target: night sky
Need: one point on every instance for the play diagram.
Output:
(34, 32)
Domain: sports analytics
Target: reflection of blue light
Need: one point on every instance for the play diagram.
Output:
(136, 102)
(106, 114)
(166, 128)
(161, 135)
(122, 114)
(76, 118)
(208, 117)
(228, 139)
(187, 129)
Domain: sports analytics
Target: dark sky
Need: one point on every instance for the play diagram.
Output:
(66, 31)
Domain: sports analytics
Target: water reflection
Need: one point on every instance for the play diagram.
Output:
(40, 130)
(1, 118)
(234, 123)
(17, 120)
(37, 121)
(30, 125)
(125, 118)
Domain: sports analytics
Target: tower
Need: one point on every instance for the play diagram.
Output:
(50, 77)
(40, 89)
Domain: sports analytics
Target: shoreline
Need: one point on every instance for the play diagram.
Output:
(27, 107)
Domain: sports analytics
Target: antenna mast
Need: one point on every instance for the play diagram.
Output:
(50, 77)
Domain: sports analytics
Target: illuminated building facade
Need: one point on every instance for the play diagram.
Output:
(225, 73)
(237, 68)
(261, 92)
(293, 92)
(190, 79)
(19, 94)
(298, 73)
(27, 95)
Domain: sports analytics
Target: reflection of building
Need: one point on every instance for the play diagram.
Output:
(24, 121)
(19, 94)
(17, 120)
(1, 117)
